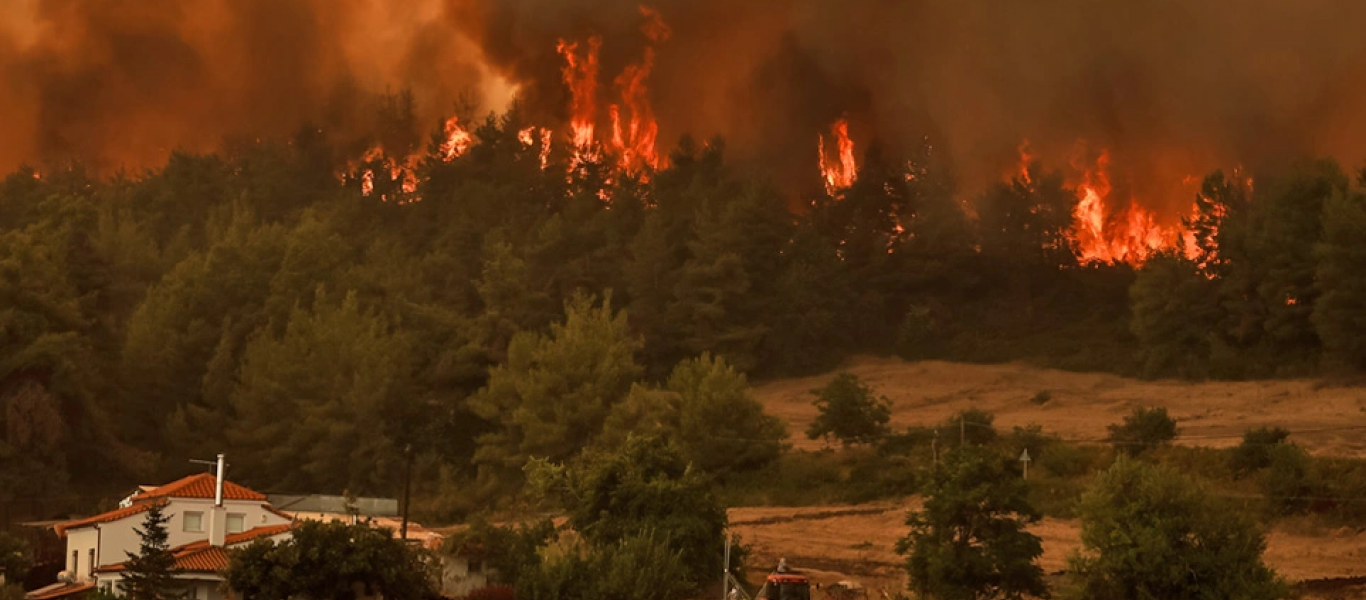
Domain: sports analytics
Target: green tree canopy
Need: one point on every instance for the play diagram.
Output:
(969, 541)
(849, 412)
(331, 561)
(555, 391)
(1148, 532)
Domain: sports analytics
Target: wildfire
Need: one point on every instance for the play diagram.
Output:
(458, 140)
(1026, 158)
(528, 138)
(840, 172)
(631, 119)
(1104, 233)
(634, 143)
(580, 75)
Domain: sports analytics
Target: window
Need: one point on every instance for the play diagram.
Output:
(237, 523)
(75, 562)
(90, 568)
(194, 522)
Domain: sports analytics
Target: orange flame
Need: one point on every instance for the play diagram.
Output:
(580, 75)
(458, 140)
(1104, 234)
(367, 182)
(634, 143)
(1026, 157)
(840, 172)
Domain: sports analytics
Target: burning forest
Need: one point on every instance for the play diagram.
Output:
(1132, 122)
(459, 238)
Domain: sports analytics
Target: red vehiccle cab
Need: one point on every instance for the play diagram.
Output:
(785, 586)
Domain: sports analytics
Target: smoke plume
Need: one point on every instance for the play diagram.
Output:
(1170, 88)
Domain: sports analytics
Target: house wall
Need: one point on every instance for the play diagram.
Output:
(117, 538)
(81, 541)
(198, 586)
(457, 580)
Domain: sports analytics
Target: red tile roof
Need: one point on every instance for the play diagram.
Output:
(200, 557)
(244, 537)
(52, 592)
(200, 486)
(113, 515)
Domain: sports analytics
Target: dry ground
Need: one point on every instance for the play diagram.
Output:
(857, 542)
(1326, 418)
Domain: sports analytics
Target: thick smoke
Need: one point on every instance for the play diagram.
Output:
(1171, 88)
(120, 84)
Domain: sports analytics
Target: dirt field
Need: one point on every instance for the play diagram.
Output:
(1327, 419)
(857, 542)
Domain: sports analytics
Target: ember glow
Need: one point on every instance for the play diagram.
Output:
(838, 167)
(458, 140)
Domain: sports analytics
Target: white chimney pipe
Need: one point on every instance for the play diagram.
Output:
(218, 488)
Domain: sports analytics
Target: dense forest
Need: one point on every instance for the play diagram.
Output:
(471, 311)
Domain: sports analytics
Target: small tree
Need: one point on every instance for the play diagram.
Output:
(1255, 451)
(645, 485)
(15, 558)
(331, 560)
(1148, 532)
(969, 540)
(150, 572)
(1144, 429)
(849, 412)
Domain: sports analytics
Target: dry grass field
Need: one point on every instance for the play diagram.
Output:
(1319, 414)
(857, 541)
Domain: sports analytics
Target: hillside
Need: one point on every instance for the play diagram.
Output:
(1326, 418)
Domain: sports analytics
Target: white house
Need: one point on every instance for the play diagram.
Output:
(207, 514)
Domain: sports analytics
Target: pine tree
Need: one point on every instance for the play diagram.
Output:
(150, 572)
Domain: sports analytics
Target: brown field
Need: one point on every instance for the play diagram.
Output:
(857, 542)
(1326, 418)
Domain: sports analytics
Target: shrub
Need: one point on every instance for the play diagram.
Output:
(1041, 398)
(974, 425)
(903, 444)
(1149, 532)
(1255, 452)
(1289, 482)
(1143, 429)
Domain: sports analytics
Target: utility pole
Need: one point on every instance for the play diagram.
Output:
(407, 490)
(934, 447)
(1024, 458)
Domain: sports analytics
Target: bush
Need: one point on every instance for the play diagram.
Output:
(1041, 398)
(641, 565)
(1066, 460)
(849, 412)
(1255, 452)
(1144, 429)
(1138, 522)
(976, 427)
(903, 444)
(1289, 482)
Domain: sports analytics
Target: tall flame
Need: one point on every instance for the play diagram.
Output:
(841, 171)
(634, 143)
(1105, 234)
(580, 75)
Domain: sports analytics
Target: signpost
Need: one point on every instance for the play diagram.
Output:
(1024, 458)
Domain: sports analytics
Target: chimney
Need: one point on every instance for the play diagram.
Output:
(218, 516)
